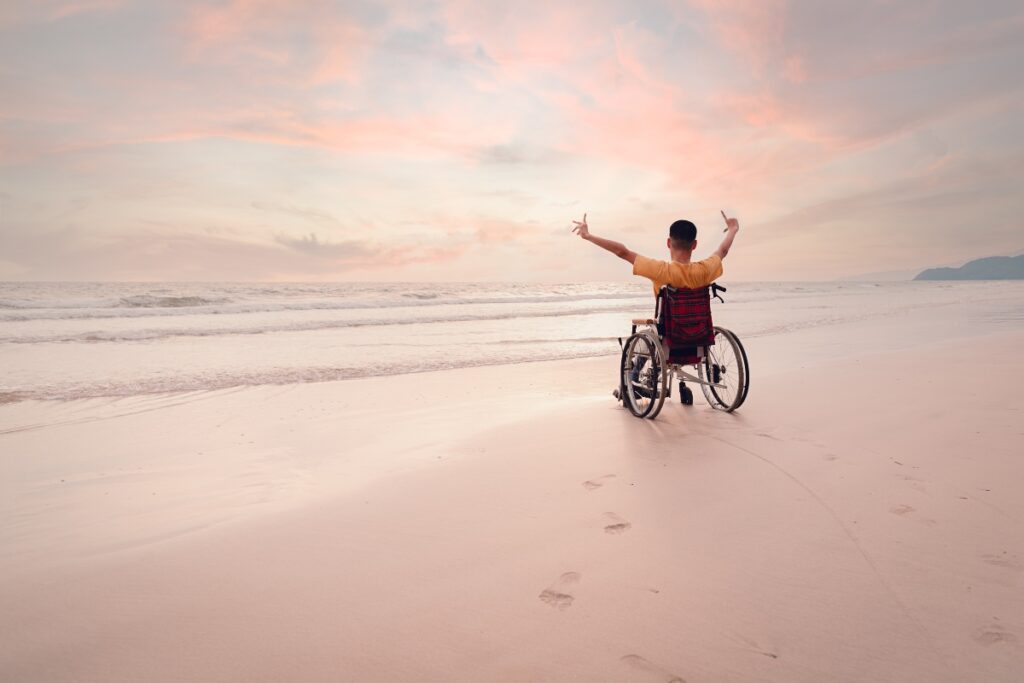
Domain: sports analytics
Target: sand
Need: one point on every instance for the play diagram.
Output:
(859, 520)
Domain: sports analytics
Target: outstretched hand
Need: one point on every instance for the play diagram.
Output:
(618, 248)
(730, 223)
(581, 228)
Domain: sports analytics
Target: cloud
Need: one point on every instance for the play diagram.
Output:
(494, 231)
(154, 254)
(63, 10)
(279, 117)
(515, 154)
(341, 252)
(511, 37)
(14, 13)
(369, 255)
(908, 222)
(305, 213)
(754, 30)
(309, 41)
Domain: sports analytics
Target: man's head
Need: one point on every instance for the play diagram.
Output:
(682, 236)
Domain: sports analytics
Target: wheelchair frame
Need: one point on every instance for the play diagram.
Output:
(649, 374)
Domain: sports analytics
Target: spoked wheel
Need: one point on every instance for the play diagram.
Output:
(643, 375)
(725, 368)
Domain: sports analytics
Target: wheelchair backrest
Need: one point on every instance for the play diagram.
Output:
(684, 317)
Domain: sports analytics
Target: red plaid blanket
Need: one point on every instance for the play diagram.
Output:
(684, 321)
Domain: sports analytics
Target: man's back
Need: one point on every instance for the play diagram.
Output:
(677, 274)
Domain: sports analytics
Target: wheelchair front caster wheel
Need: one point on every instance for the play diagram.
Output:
(685, 395)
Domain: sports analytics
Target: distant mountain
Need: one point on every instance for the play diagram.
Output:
(991, 268)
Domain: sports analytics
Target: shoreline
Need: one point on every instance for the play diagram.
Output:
(71, 359)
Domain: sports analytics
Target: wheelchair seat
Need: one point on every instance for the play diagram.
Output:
(684, 323)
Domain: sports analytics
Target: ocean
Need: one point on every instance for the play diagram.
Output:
(62, 341)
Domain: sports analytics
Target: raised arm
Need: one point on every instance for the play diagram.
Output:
(732, 226)
(617, 248)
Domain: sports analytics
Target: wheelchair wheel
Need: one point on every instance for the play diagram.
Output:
(643, 375)
(725, 366)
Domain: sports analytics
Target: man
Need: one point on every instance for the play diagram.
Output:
(680, 271)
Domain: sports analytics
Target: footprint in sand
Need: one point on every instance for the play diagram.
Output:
(555, 594)
(993, 634)
(1005, 560)
(591, 484)
(901, 510)
(616, 524)
(752, 645)
(657, 672)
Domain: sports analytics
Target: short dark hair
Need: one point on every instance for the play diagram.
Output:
(683, 234)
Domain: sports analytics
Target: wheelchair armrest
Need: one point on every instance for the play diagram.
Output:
(644, 321)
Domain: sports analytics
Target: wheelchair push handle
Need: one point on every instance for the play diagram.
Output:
(715, 289)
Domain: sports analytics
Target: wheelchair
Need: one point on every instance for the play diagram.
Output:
(681, 337)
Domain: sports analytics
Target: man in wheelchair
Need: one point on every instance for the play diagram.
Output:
(687, 282)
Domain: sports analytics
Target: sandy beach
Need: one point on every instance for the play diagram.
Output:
(311, 315)
(858, 520)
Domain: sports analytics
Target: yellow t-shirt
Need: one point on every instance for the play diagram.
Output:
(682, 275)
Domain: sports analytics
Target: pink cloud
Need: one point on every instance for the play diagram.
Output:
(248, 32)
(902, 38)
(620, 104)
(634, 49)
(756, 101)
(451, 132)
(794, 69)
(490, 231)
(370, 255)
(12, 13)
(751, 29)
(181, 255)
(218, 25)
(511, 36)
(68, 9)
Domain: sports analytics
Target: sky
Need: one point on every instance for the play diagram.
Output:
(456, 140)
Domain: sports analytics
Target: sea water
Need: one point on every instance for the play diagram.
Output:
(82, 340)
